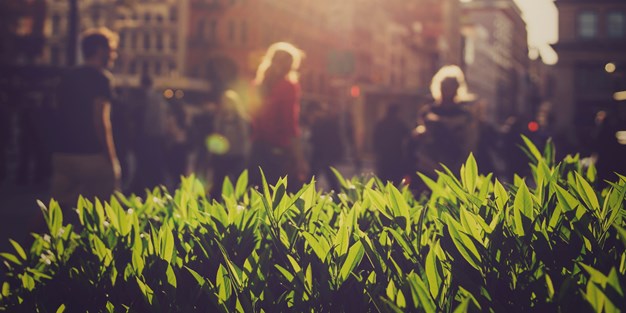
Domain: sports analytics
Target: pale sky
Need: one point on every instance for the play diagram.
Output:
(542, 25)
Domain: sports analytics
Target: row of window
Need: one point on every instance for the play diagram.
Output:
(588, 24)
(209, 30)
(156, 68)
(149, 41)
(148, 17)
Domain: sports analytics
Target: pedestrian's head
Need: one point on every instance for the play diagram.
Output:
(449, 86)
(99, 46)
(281, 60)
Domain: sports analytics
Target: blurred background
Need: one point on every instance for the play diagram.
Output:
(556, 67)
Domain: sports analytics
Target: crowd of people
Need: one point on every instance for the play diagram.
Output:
(104, 142)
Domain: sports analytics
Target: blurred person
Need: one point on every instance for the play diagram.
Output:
(202, 126)
(486, 151)
(122, 125)
(150, 137)
(84, 160)
(5, 136)
(325, 143)
(390, 143)
(275, 111)
(229, 145)
(447, 130)
(177, 147)
(516, 161)
(609, 148)
(33, 157)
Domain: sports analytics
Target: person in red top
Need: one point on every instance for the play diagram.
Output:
(274, 111)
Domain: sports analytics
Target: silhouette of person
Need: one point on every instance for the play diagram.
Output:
(275, 111)
(230, 145)
(150, 123)
(486, 149)
(516, 162)
(446, 131)
(610, 145)
(178, 147)
(202, 125)
(84, 161)
(325, 141)
(390, 142)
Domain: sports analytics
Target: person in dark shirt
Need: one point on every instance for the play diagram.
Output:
(84, 161)
(390, 140)
(325, 141)
(447, 131)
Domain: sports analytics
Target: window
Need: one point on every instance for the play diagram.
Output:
(231, 31)
(200, 28)
(95, 18)
(615, 24)
(147, 17)
(172, 67)
(146, 41)
(591, 79)
(213, 31)
(173, 14)
(122, 40)
(145, 68)
(132, 68)
(157, 68)
(159, 42)
(55, 55)
(133, 40)
(56, 24)
(244, 31)
(587, 24)
(159, 18)
(173, 42)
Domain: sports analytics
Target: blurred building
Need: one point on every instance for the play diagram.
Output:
(153, 42)
(592, 63)
(496, 57)
(21, 31)
(227, 39)
(151, 38)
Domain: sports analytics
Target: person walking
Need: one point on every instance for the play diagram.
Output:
(230, 144)
(325, 141)
(151, 134)
(390, 142)
(84, 160)
(446, 131)
(275, 111)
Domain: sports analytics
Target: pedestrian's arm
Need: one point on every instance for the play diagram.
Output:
(104, 131)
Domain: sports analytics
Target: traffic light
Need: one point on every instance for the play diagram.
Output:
(355, 91)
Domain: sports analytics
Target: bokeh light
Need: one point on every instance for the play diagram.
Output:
(217, 144)
(610, 67)
(168, 93)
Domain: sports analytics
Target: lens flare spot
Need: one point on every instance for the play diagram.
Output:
(217, 144)
(621, 137)
(610, 67)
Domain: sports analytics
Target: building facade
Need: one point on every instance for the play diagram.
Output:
(592, 63)
(496, 57)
